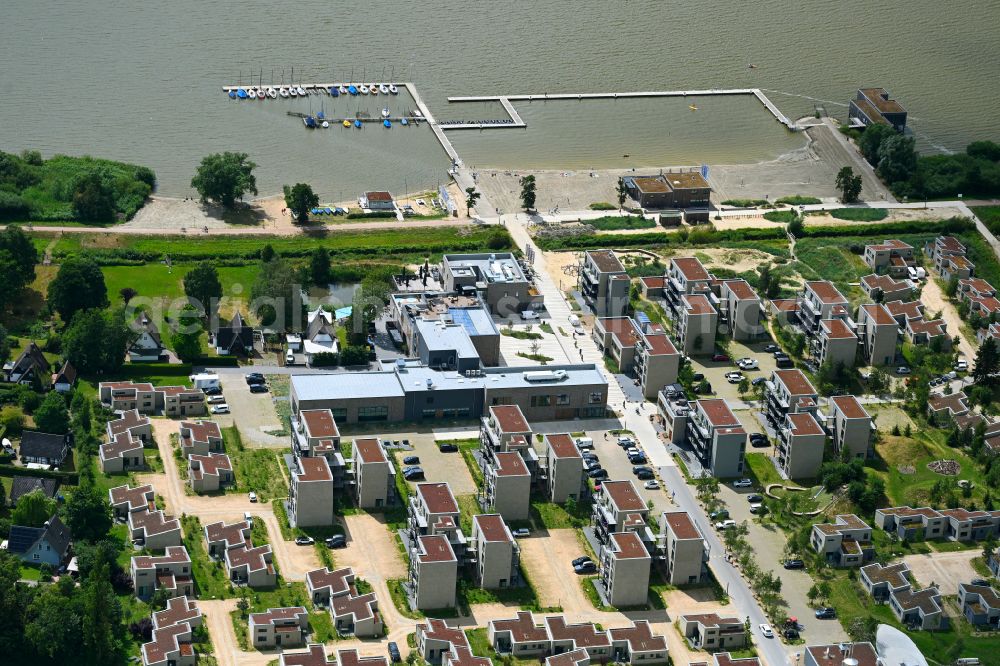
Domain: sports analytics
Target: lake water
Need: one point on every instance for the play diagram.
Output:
(142, 81)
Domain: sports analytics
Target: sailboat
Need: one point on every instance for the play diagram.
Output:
(393, 89)
(385, 112)
(387, 123)
(342, 89)
(357, 123)
(347, 123)
(693, 107)
(232, 94)
(384, 89)
(403, 121)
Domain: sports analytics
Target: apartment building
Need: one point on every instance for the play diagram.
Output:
(685, 276)
(310, 501)
(131, 422)
(604, 283)
(170, 646)
(878, 332)
(711, 632)
(801, 440)
(980, 604)
(507, 486)
(696, 323)
(836, 654)
(411, 310)
(251, 566)
(740, 309)
(883, 580)
(497, 277)
(352, 614)
(564, 469)
(624, 574)
(618, 507)
(617, 338)
(279, 627)
(182, 401)
(835, 342)
(852, 427)
(209, 473)
(891, 257)
(657, 361)
(153, 529)
(820, 300)
(956, 267)
(504, 428)
(885, 289)
(944, 407)
(315, 433)
(683, 549)
(708, 430)
(433, 510)
(518, 637)
(178, 610)
(903, 310)
(200, 438)
(374, 474)
(170, 571)
(220, 537)
(433, 573)
(788, 391)
(126, 499)
(847, 542)
(928, 332)
(497, 556)
(980, 295)
(578, 657)
(122, 454)
(128, 396)
(638, 645)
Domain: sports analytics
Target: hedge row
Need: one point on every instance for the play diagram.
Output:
(952, 225)
(71, 478)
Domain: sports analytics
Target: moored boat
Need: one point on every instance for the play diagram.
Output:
(347, 123)
(309, 122)
(242, 94)
(272, 93)
(393, 89)
(385, 112)
(357, 123)
(363, 88)
(283, 92)
(325, 124)
(352, 89)
(342, 90)
(387, 123)
(252, 94)
(384, 89)
(232, 94)
(301, 91)
(403, 121)
(373, 88)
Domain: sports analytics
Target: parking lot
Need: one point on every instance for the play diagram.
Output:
(437, 466)
(945, 570)
(715, 372)
(254, 412)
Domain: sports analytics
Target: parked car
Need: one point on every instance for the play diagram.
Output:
(826, 613)
(979, 581)
(734, 377)
(755, 498)
(447, 448)
(247, 517)
(394, 652)
(598, 473)
(757, 381)
(742, 483)
(580, 560)
(766, 631)
(961, 365)
(220, 409)
(783, 362)
(258, 388)
(697, 377)
(757, 436)
(411, 460)
(902, 370)
(625, 441)
(413, 473)
(795, 564)
(336, 541)
(645, 475)
(255, 378)
(748, 363)
(756, 507)
(585, 568)
(252, 496)
(216, 399)
(589, 455)
(705, 388)
(304, 541)
(637, 458)
(640, 468)
(213, 390)
(719, 358)
(725, 524)
(721, 514)
(652, 484)
(584, 443)
(521, 532)
(772, 348)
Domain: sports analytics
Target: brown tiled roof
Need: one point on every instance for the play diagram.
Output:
(606, 261)
(202, 431)
(129, 419)
(629, 546)
(949, 244)
(690, 267)
(697, 304)
(893, 244)
(725, 659)
(640, 637)
(785, 304)
(152, 522)
(361, 606)
(836, 329)
(660, 345)
(165, 641)
(571, 658)
(584, 634)
(741, 289)
(510, 418)
(314, 469)
(623, 495)
(122, 443)
(437, 497)
(956, 403)
(510, 464)
(654, 281)
(681, 525)
(804, 423)
(136, 498)
(492, 527)
(314, 656)
(562, 446)
(254, 558)
(884, 282)
(438, 630)
(976, 284)
(172, 555)
(210, 464)
(179, 609)
(231, 535)
(435, 548)
(522, 628)
(795, 381)
(319, 422)
(369, 450)
(378, 196)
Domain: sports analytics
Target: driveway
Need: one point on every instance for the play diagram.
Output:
(946, 570)
(220, 630)
(547, 557)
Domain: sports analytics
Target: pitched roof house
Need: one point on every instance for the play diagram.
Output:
(48, 544)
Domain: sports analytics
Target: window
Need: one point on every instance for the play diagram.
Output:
(339, 413)
(541, 400)
(36, 556)
(562, 399)
(596, 397)
(373, 413)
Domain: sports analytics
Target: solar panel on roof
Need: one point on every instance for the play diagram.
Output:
(22, 538)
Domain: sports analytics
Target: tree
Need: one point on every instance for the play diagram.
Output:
(528, 192)
(897, 158)
(987, 363)
(52, 415)
(267, 253)
(79, 285)
(186, 338)
(796, 226)
(848, 184)
(862, 629)
(93, 201)
(203, 287)
(274, 293)
(871, 139)
(18, 257)
(243, 605)
(743, 387)
(224, 178)
(52, 625)
(95, 342)
(127, 294)
(4, 344)
(101, 627)
(319, 267)
(33, 509)
(354, 355)
(471, 197)
(622, 193)
(300, 198)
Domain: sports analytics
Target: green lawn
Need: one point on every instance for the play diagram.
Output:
(990, 216)
(209, 576)
(258, 470)
(157, 281)
(469, 507)
(555, 516)
(860, 214)
(615, 222)
(900, 453)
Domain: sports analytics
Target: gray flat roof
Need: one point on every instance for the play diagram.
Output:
(347, 385)
(486, 262)
(438, 336)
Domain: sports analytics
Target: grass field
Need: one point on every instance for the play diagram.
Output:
(990, 216)
(924, 447)
(157, 281)
(614, 222)
(860, 214)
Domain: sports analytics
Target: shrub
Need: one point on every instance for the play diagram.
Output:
(12, 206)
(377, 214)
(798, 200)
(860, 214)
(613, 223)
(324, 360)
(784, 216)
(745, 203)
(603, 205)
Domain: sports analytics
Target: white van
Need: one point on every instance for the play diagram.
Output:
(529, 315)
(584, 443)
(247, 517)
(290, 357)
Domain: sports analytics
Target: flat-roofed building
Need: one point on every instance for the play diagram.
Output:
(178, 610)
(374, 474)
(955, 266)
(709, 631)
(433, 573)
(638, 644)
(126, 499)
(170, 572)
(710, 431)
(315, 655)
(496, 276)
(740, 309)
(836, 654)
(885, 289)
(883, 580)
(565, 637)
(820, 300)
(617, 338)
(625, 564)
(683, 548)
(220, 537)
(127, 396)
(878, 332)
(310, 501)
(466, 310)
(873, 106)
(928, 332)
(919, 609)
(497, 555)
(669, 190)
(154, 529)
(966, 525)
(200, 438)
(352, 613)
(942, 407)
(445, 345)
(507, 486)
(519, 637)
(170, 646)
(565, 477)
(181, 400)
(251, 566)
(604, 283)
(122, 454)
(579, 657)
(618, 507)
(435, 638)
(315, 433)
(847, 542)
(209, 473)
(980, 604)
(696, 325)
(132, 422)
(788, 391)
(882, 257)
(433, 510)
(835, 342)
(657, 361)
(852, 428)
(278, 627)
(505, 429)
(685, 276)
(801, 441)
